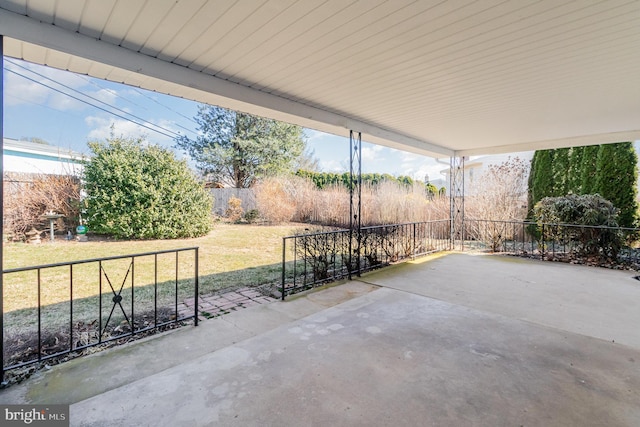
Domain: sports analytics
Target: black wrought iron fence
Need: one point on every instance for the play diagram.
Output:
(56, 309)
(598, 245)
(313, 259)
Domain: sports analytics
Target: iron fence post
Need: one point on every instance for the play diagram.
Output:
(39, 318)
(155, 290)
(414, 241)
(71, 307)
(100, 301)
(176, 290)
(295, 261)
(284, 263)
(542, 243)
(133, 318)
(197, 287)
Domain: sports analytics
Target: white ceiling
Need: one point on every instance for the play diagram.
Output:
(455, 77)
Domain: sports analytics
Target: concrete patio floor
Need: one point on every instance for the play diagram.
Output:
(451, 341)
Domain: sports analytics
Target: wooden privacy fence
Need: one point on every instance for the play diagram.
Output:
(221, 198)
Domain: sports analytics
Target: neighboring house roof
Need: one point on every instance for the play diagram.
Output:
(31, 157)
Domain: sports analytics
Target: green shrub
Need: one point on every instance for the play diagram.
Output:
(252, 216)
(589, 210)
(137, 190)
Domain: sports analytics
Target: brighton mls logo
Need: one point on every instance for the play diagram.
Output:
(36, 415)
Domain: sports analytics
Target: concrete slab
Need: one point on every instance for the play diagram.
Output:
(591, 301)
(389, 358)
(455, 340)
(92, 375)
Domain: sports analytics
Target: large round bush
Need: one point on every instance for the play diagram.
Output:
(137, 190)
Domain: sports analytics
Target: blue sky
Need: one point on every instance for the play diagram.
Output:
(35, 107)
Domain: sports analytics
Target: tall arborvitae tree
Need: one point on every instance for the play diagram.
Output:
(616, 177)
(574, 174)
(531, 180)
(560, 168)
(588, 169)
(542, 181)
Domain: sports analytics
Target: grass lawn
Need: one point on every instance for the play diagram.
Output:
(232, 255)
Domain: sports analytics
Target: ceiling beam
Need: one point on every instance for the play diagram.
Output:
(577, 141)
(204, 87)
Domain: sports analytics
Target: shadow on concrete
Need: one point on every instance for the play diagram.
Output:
(453, 340)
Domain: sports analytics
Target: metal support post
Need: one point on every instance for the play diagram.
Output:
(355, 204)
(2, 207)
(456, 194)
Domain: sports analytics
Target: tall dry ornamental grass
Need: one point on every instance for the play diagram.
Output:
(275, 200)
(296, 199)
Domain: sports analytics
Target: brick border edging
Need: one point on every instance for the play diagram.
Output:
(216, 305)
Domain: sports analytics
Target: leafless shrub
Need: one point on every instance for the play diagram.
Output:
(499, 195)
(26, 201)
(323, 250)
(234, 210)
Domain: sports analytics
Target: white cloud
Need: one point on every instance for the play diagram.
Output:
(410, 157)
(62, 102)
(314, 135)
(102, 129)
(45, 87)
(107, 96)
(21, 91)
(332, 165)
(372, 153)
(131, 92)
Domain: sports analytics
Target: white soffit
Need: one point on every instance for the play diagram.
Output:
(434, 77)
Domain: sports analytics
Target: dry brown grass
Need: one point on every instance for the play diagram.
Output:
(297, 199)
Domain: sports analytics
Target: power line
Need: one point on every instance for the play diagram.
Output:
(165, 106)
(88, 96)
(88, 103)
(156, 128)
(93, 83)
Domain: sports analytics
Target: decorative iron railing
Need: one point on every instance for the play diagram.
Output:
(70, 306)
(314, 259)
(597, 245)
